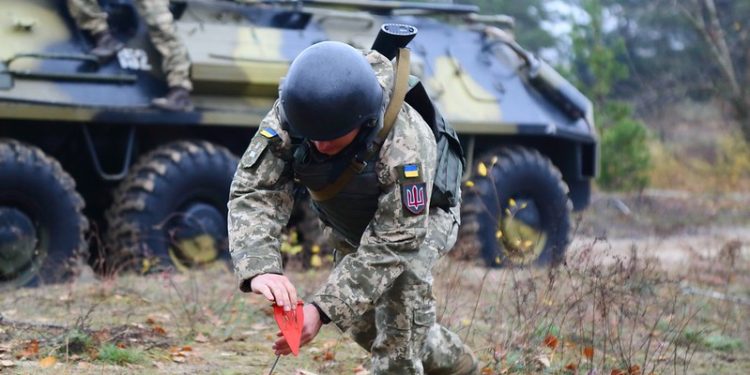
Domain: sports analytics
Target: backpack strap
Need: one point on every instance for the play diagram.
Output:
(358, 163)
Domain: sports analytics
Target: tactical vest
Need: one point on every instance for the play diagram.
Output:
(351, 210)
(346, 201)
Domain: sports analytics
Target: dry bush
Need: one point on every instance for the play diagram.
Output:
(594, 313)
(722, 166)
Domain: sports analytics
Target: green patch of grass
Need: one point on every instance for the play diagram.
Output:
(693, 337)
(722, 343)
(690, 337)
(120, 356)
(516, 363)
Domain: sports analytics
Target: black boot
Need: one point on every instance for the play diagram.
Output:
(106, 46)
(176, 100)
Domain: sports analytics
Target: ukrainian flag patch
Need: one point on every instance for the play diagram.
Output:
(411, 171)
(268, 133)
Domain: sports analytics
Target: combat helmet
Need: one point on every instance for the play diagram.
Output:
(329, 91)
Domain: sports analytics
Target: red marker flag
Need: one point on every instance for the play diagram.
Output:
(290, 323)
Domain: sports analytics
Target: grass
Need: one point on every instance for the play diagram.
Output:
(77, 342)
(609, 308)
(109, 353)
(723, 343)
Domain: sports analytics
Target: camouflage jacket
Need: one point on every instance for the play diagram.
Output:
(261, 200)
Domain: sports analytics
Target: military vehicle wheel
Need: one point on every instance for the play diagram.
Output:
(41, 221)
(171, 209)
(521, 205)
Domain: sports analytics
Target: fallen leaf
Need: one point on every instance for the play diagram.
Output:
(150, 321)
(550, 342)
(361, 370)
(31, 349)
(187, 348)
(259, 326)
(543, 360)
(6, 363)
(178, 359)
(571, 367)
(617, 372)
(48, 362)
(303, 372)
(201, 338)
(4, 348)
(588, 352)
(486, 371)
(634, 370)
(159, 330)
(121, 345)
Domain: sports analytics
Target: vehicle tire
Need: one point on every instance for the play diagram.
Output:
(171, 210)
(41, 221)
(522, 208)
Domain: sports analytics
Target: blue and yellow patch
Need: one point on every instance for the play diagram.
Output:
(411, 171)
(269, 133)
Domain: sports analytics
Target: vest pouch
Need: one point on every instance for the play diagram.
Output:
(446, 190)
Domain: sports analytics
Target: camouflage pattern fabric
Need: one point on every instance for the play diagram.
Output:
(161, 28)
(380, 291)
(88, 15)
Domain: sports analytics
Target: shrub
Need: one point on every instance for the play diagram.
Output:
(626, 159)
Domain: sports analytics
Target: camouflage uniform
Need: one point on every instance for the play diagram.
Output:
(175, 61)
(381, 289)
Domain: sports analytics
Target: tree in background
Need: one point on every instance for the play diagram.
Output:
(727, 36)
(595, 69)
(687, 49)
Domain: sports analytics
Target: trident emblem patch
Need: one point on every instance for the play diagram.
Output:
(414, 197)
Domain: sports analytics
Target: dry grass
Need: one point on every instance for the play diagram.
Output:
(604, 314)
(610, 309)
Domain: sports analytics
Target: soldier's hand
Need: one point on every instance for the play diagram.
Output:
(310, 329)
(277, 288)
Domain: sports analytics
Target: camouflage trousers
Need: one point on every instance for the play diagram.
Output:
(161, 29)
(401, 332)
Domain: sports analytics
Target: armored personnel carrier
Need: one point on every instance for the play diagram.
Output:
(89, 172)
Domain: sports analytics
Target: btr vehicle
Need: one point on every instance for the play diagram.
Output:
(90, 172)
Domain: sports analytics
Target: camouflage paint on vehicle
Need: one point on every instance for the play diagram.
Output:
(239, 54)
(503, 103)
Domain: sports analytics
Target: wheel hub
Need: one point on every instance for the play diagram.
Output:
(520, 231)
(18, 241)
(194, 235)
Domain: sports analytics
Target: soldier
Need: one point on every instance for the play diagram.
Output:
(175, 62)
(333, 113)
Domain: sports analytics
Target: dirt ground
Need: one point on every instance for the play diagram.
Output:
(653, 283)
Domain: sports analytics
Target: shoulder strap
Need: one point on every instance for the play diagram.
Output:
(401, 86)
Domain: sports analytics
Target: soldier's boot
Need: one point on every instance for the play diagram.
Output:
(176, 100)
(466, 364)
(106, 46)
